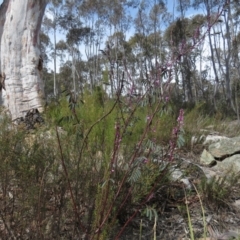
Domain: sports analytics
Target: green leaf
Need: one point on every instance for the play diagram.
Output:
(180, 141)
(150, 212)
(135, 176)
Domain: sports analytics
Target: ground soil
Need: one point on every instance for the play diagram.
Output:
(221, 222)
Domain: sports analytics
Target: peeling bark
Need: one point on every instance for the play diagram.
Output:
(20, 23)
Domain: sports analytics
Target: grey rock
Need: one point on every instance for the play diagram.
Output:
(229, 164)
(207, 158)
(177, 175)
(223, 156)
(237, 204)
(186, 182)
(225, 147)
(213, 139)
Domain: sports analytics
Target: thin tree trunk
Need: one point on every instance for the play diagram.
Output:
(20, 60)
(216, 85)
(227, 58)
(55, 92)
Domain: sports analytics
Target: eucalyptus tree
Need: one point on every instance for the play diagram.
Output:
(51, 22)
(184, 43)
(20, 58)
(226, 48)
(236, 38)
(105, 18)
(236, 72)
(77, 32)
(114, 58)
(226, 32)
(195, 46)
(152, 17)
(90, 12)
(214, 10)
(45, 46)
(148, 63)
(179, 42)
(158, 17)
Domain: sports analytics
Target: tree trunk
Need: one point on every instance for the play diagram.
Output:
(20, 60)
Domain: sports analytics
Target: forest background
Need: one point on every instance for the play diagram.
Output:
(76, 35)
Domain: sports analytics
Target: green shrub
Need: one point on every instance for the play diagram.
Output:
(91, 161)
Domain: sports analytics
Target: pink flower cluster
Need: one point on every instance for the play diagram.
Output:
(180, 119)
(175, 133)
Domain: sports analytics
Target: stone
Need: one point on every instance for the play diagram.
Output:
(223, 156)
(225, 148)
(229, 164)
(177, 175)
(207, 158)
(213, 139)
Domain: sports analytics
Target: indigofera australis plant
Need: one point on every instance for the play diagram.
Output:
(119, 183)
(103, 175)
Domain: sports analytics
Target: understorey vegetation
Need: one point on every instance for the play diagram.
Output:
(102, 162)
(99, 167)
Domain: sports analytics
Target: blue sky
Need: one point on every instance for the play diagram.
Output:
(170, 4)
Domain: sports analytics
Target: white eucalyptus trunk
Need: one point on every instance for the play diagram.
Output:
(20, 60)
